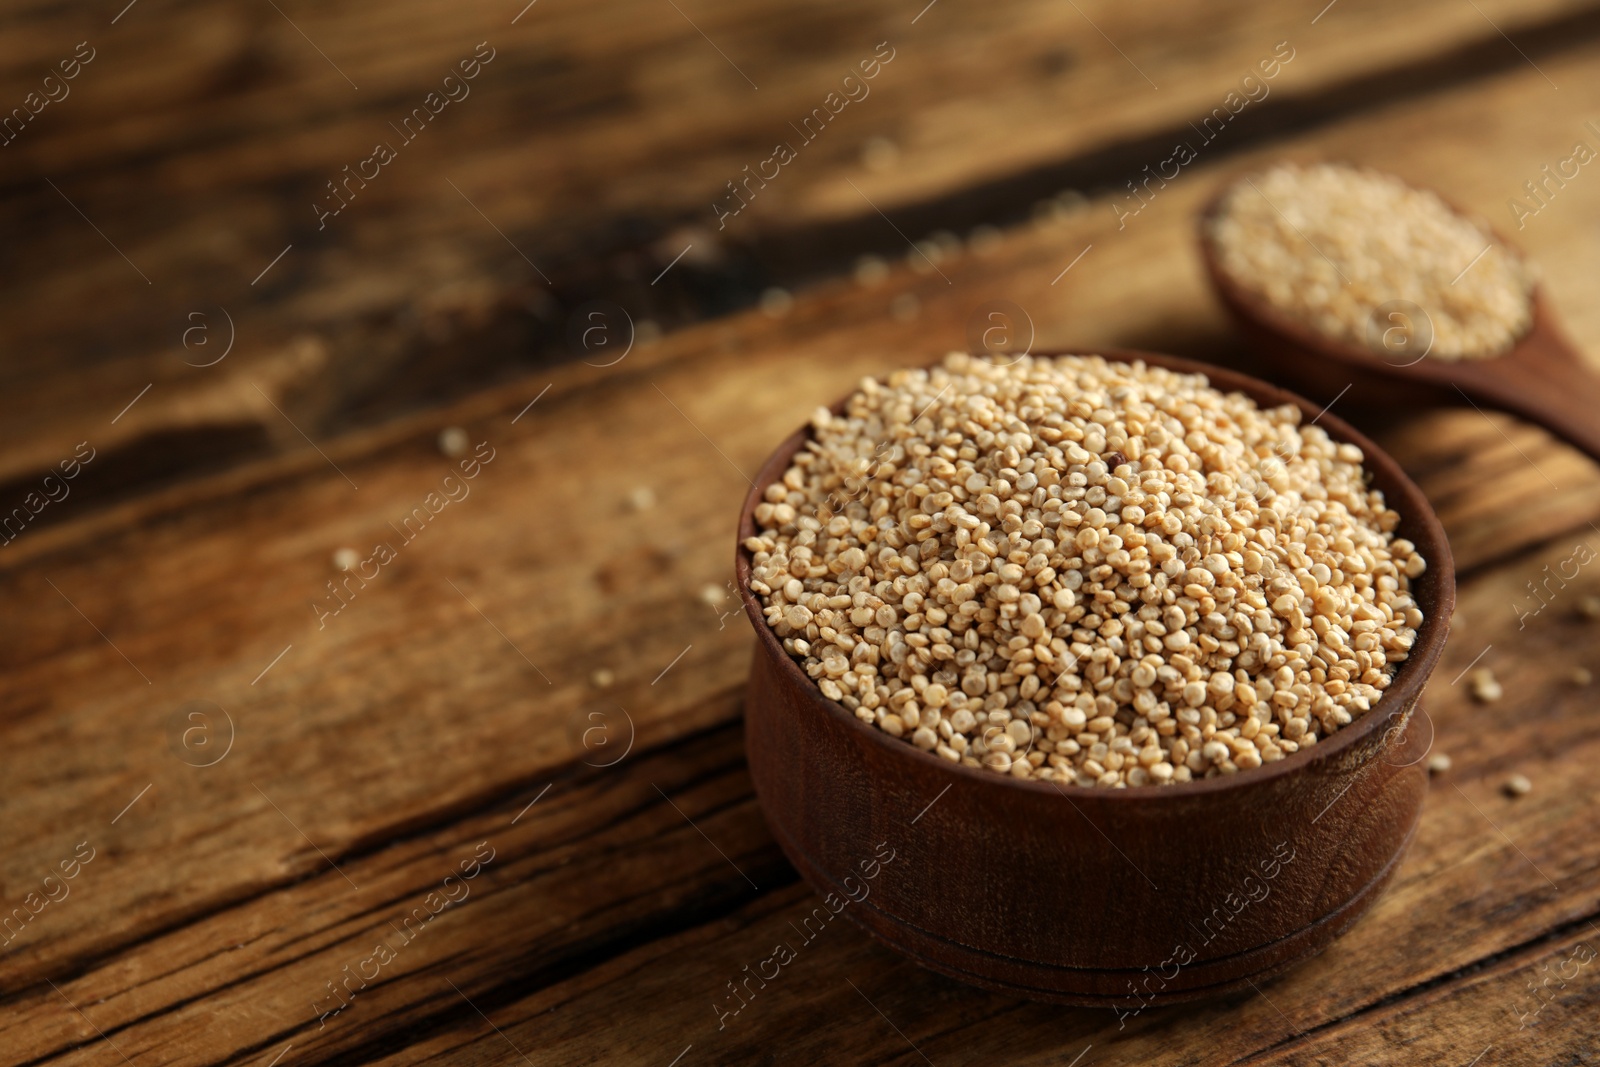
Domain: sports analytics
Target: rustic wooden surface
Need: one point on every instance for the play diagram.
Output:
(451, 706)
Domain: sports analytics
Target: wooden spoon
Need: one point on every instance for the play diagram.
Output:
(1542, 378)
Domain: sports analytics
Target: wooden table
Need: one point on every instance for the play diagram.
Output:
(493, 809)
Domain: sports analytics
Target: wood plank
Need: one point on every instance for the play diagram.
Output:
(1524, 1008)
(545, 940)
(204, 588)
(539, 884)
(1487, 879)
(1497, 484)
(201, 161)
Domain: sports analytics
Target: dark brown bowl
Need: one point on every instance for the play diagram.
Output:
(1086, 895)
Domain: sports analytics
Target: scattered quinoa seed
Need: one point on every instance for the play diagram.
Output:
(1485, 688)
(1589, 607)
(1071, 201)
(642, 498)
(985, 239)
(870, 270)
(602, 677)
(1329, 245)
(905, 307)
(345, 559)
(647, 333)
(453, 442)
(955, 561)
(1438, 763)
(879, 154)
(713, 594)
(776, 303)
(924, 256)
(1580, 676)
(1517, 786)
(948, 244)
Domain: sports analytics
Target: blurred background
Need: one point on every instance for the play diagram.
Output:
(597, 147)
(277, 274)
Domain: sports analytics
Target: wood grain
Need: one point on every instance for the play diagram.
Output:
(458, 682)
(199, 137)
(1490, 887)
(1132, 272)
(257, 971)
(203, 588)
(583, 873)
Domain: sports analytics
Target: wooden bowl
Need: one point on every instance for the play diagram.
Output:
(1086, 895)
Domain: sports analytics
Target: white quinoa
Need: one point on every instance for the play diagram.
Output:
(1485, 687)
(454, 442)
(1094, 572)
(1329, 244)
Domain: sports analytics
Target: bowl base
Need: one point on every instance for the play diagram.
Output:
(1085, 987)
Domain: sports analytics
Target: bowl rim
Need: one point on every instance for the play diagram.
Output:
(1404, 690)
(1441, 372)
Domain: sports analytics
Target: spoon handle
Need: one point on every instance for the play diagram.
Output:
(1547, 381)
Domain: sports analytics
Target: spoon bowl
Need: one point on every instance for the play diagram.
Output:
(1542, 377)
